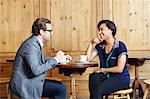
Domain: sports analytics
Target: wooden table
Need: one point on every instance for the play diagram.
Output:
(73, 69)
(136, 62)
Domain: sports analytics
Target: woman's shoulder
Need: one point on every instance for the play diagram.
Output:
(119, 43)
(121, 47)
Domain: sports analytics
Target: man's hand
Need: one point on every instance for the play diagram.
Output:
(62, 58)
(68, 58)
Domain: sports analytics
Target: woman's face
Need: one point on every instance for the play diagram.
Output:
(104, 32)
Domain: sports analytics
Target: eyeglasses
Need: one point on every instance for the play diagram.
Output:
(49, 31)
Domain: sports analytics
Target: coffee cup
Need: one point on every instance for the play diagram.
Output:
(83, 58)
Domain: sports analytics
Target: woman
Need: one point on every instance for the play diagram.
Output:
(113, 73)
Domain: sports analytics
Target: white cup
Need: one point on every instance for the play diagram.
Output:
(83, 58)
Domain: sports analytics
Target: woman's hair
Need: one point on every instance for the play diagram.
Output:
(109, 24)
(39, 23)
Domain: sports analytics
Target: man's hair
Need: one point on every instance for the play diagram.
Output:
(39, 23)
(109, 24)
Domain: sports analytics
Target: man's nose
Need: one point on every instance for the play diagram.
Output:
(52, 32)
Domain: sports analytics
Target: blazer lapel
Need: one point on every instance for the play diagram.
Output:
(42, 57)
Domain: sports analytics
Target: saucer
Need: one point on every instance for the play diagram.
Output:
(87, 62)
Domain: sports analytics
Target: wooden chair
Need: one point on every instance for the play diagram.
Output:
(147, 82)
(5, 81)
(122, 94)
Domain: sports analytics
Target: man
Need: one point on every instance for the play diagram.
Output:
(28, 76)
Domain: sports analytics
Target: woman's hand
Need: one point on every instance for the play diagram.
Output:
(98, 39)
(98, 71)
(95, 40)
(104, 70)
(100, 36)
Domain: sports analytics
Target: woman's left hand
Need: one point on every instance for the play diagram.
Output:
(104, 70)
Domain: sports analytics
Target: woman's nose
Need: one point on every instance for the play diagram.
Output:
(99, 33)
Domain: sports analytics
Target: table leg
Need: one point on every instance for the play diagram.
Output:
(73, 95)
(137, 84)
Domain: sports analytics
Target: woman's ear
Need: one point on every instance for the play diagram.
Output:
(110, 30)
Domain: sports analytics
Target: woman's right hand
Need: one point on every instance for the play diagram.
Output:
(95, 40)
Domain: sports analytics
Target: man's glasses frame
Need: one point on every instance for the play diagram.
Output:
(49, 31)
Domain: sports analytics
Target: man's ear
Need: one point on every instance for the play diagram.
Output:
(41, 32)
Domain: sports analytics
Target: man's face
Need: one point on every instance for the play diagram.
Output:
(48, 32)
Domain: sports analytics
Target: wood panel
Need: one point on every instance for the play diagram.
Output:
(137, 25)
(131, 17)
(74, 25)
(5, 70)
(121, 12)
(121, 18)
(75, 20)
(16, 20)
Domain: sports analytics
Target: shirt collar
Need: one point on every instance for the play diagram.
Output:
(116, 44)
(40, 41)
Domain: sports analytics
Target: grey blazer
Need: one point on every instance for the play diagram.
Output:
(29, 70)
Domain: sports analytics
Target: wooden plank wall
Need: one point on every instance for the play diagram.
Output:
(130, 16)
(74, 22)
(74, 25)
(16, 17)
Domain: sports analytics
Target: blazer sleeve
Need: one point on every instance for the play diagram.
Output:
(33, 58)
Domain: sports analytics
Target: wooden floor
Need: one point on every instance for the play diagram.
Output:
(85, 97)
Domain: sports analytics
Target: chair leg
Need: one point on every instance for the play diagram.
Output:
(128, 96)
(115, 96)
(146, 92)
(106, 97)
